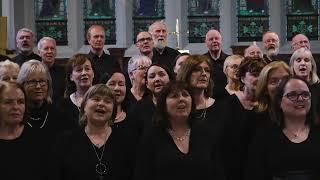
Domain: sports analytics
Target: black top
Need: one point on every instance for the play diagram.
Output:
(21, 58)
(3, 57)
(167, 57)
(159, 158)
(218, 76)
(272, 155)
(141, 114)
(58, 76)
(70, 113)
(241, 126)
(20, 158)
(315, 95)
(75, 158)
(103, 64)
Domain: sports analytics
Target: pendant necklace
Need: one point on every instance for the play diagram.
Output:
(101, 168)
(181, 138)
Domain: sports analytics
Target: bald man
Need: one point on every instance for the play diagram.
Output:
(217, 57)
(299, 41)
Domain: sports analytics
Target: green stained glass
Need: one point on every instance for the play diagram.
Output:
(302, 17)
(51, 20)
(100, 12)
(203, 15)
(145, 12)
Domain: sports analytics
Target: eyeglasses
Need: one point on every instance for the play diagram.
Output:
(144, 39)
(294, 95)
(34, 83)
(141, 67)
(302, 42)
(234, 66)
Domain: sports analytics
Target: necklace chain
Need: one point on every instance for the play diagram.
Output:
(298, 133)
(37, 119)
(181, 138)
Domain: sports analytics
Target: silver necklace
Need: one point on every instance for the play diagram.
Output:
(101, 168)
(37, 119)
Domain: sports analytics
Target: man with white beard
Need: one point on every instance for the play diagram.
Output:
(162, 54)
(271, 44)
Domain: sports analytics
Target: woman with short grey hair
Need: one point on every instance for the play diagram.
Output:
(137, 66)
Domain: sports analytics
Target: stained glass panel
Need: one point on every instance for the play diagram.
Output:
(100, 12)
(51, 20)
(253, 19)
(203, 15)
(302, 17)
(145, 12)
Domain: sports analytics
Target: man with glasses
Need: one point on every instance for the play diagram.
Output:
(145, 44)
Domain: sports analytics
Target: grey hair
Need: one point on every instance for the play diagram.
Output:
(151, 27)
(133, 63)
(35, 66)
(296, 54)
(45, 39)
(9, 64)
(25, 30)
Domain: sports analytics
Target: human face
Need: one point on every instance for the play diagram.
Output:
(178, 104)
(8, 74)
(117, 83)
(36, 87)
(271, 43)
(97, 38)
(232, 68)
(214, 41)
(200, 76)
(144, 43)
(98, 110)
(48, 52)
(300, 41)
(159, 35)
(157, 78)
(250, 81)
(138, 75)
(179, 62)
(274, 79)
(24, 41)
(12, 106)
(253, 52)
(299, 105)
(302, 66)
(82, 75)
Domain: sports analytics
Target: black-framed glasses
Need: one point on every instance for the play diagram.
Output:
(144, 39)
(294, 95)
(34, 83)
(234, 66)
(141, 67)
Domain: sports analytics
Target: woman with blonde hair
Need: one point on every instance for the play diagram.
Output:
(230, 69)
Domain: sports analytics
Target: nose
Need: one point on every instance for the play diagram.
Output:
(83, 71)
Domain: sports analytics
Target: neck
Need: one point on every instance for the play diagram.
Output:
(97, 52)
(200, 99)
(137, 91)
(91, 129)
(37, 104)
(232, 85)
(160, 50)
(149, 55)
(26, 53)
(10, 132)
(179, 125)
(215, 54)
(249, 95)
(295, 123)
(154, 99)
(80, 92)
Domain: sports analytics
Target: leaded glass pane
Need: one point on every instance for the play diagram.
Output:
(100, 12)
(203, 15)
(145, 12)
(51, 20)
(302, 17)
(253, 19)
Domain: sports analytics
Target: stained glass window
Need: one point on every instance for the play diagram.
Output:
(100, 12)
(51, 20)
(302, 17)
(203, 15)
(145, 12)
(253, 19)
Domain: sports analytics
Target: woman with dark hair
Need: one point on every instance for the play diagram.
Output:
(94, 150)
(80, 76)
(174, 149)
(157, 77)
(288, 149)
